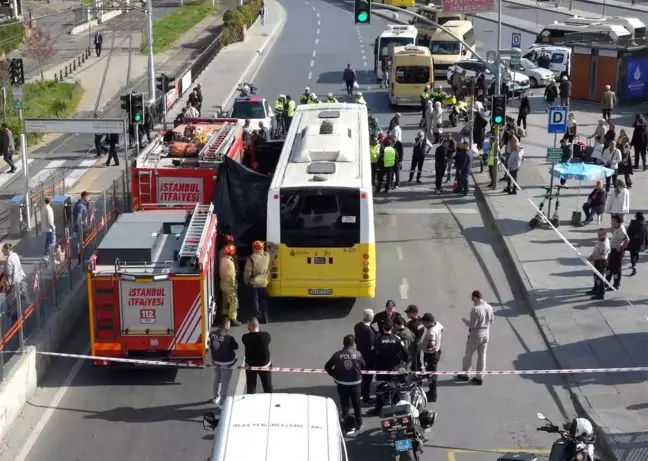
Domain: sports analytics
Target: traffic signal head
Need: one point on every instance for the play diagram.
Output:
(164, 82)
(498, 110)
(126, 102)
(16, 71)
(137, 108)
(362, 11)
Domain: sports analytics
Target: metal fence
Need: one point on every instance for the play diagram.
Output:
(52, 281)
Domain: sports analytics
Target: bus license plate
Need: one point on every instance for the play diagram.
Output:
(319, 260)
(403, 445)
(320, 292)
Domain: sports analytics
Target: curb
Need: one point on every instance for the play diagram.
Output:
(521, 279)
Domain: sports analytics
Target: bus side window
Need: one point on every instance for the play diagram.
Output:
(557, 58)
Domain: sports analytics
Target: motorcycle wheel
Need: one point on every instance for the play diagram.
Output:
(533, 223)
(555, 222)
(407, 456)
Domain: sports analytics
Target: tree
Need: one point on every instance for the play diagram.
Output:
(40, 47)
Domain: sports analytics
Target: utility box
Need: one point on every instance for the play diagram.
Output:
(62, 207)
(16, 210)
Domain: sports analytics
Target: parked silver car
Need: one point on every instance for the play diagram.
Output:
(538, 76)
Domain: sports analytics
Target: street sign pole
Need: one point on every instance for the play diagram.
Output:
(557, 123)
(516, 43)
(23, 153)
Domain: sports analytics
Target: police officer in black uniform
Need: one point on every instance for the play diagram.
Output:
(416, 325)
(388, 313)
(345, 367)
(390, 355)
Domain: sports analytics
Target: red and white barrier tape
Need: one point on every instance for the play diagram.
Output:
(367, 372)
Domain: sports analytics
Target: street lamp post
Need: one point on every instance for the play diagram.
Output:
(151, 60)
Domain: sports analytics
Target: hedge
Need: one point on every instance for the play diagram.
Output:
(11, 36)
(234, 20)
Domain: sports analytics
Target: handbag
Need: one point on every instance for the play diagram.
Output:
(355, 85)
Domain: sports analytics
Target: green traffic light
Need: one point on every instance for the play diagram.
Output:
(363, 16)
(138, 117)
(498, 119)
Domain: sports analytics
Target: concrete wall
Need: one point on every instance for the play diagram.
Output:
(20, 384)
(79, 29)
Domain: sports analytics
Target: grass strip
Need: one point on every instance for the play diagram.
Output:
(43, 99)
(168, 30)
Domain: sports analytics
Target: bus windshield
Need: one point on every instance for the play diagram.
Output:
(326, 217)
(450, 47)
(387, 44)
(415, 75)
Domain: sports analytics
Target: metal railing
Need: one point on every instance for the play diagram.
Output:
(52, 280)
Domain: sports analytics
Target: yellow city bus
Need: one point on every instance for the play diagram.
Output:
(398, 3)
(412, 69)
(320, 206)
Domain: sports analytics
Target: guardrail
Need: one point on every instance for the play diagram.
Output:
(51, 280)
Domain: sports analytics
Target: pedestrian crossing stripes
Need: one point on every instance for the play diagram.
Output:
(41, 169)
(6, 177)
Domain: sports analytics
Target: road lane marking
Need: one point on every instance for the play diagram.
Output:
(397, 211)
(314, 53)
(46, 172)
(78, 171)
(404, 288)
(317, 31)
(310, 75)
(42, 423)
(318, 15)
(312, 63)
(316, 41)
(6, 176)
(399, 253)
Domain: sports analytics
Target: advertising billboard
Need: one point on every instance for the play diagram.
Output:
(468, 6)
(636, 82)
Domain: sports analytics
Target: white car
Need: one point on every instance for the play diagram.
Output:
(474, 67)
(255, 109)
(538, 76)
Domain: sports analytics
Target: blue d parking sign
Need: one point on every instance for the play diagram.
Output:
(557, 120)
(516, 40)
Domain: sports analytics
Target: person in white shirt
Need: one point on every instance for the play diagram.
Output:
(618, 202)
(481, 318)
(47, 220)
(191, 111)
(611, 157)
(397, 133)
(16, 278)
(430, 344)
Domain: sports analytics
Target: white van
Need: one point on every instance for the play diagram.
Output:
(277, 427)
(560, 57)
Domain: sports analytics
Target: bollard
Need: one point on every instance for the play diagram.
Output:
(79, 61)
(66, 72)
(55, 78)
(73, 65)
(83, 57)
(60, 75)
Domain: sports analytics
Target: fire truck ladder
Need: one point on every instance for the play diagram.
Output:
(196, 232)
(218, 144)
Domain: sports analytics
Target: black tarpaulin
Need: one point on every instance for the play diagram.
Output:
(241, 202)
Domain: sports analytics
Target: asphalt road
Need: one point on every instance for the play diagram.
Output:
(432, 251)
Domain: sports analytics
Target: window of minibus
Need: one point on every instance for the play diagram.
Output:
(412, 75)
(388, 44)
(320, 217)
(445, 47)
(550, 35)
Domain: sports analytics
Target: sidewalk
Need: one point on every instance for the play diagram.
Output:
(236, 62)
(581, 333)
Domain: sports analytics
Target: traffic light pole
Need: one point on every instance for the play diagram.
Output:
(23, 153)
(149, 39)
(136, 135)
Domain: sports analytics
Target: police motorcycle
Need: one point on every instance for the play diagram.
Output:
(576, 442)
(246, 89)
(405, 416)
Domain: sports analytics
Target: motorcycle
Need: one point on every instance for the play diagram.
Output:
(459, 111)
(568, 447)
(406, 418)
(246, 89)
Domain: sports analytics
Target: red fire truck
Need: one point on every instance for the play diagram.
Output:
(181, 168)
(151, 286)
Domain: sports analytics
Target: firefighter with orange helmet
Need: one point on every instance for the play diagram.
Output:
(255, 274)
(228, 283)
(228, 239)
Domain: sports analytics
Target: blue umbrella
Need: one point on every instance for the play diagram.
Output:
(580, 171)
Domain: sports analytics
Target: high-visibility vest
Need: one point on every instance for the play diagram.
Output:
(305, 98)
(331, 100)
(361, 100)
(291, 108)
(279, 105)
(425, 95)
(374, 153)
(389, 157)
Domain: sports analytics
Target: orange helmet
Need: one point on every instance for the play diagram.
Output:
(228, 238)
(257, 245)
(230, 250)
